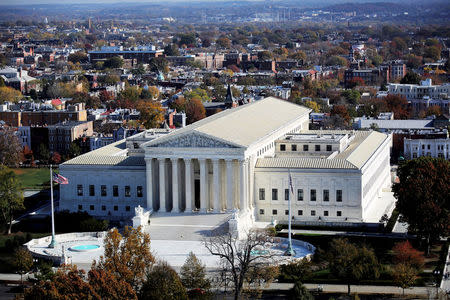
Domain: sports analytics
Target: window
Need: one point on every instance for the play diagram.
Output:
(286, 212)
(116, 208)
(300, 212)
(325, 213)
(294, 147)
(127, 208)
(274, 194)
(339, 195)
(282, 147)
(115, 191)
(274, 212)
(313, 213)
(313, 195)
(91, 190)
(262, 194)
(103, 207)
(414, 155)
(80, 207)
(423, 147)
(317, 147)
(428, 147)
(326, 195)
(305, 148)
(286, 194)
(300, 194)
(91, 207)
(127, 191)
(139, 191)
(328, 147)
(80, 190)
(103, 190)
(339, 213)
(261, 211)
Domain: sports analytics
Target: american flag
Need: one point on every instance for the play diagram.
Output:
(60, 179)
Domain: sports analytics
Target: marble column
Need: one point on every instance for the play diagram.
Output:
(175, 191)
(230, 185)
(242, 183)
(203, 185)
(162, 184)
(188, 182)
(216, 180)
(149, 185)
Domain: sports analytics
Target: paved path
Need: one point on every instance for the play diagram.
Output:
(445, 283)
(347, 233)
(360, 289)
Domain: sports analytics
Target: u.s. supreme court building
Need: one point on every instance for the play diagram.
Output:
(238, 160)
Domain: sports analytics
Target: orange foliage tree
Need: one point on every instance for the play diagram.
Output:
(152, 113)
(405, 253)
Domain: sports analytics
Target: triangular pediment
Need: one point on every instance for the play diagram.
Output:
(192, 140)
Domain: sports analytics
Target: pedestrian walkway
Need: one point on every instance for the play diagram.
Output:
(428, 292)
(445, 283)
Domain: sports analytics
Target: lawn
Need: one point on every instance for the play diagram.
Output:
(34, 178)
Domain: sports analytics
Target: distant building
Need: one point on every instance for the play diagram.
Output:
(18, 79)
(63, 134)
(142, 54)
(419, 145)
(369, 76)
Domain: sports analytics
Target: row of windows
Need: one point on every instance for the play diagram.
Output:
(300, 212)
(103, 190)
(115, 207)
(300, 195)
(305, 147)
(266, 148)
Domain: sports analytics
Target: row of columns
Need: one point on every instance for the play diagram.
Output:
(235, 191)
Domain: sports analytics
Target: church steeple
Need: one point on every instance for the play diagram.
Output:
(229, 99)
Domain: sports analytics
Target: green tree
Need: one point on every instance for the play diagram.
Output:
(352, 263)
(299, 292)
(336, 61)
(410, 78)
(296, 271)
(43, 153)
(171, 50)
(23, 261)
(78, 57)
(265, 55)
(162, 282)
(193, 274)
(422, 197)
(197, 93)
(113, 63)
(159, 64)
(11, 195)
(352, 96)
(74, 150)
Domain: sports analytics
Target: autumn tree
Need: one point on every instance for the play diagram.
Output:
(9, 94)
(127, 256)
(398, 105)
(341, 110)
(422, 197)
(352, 263)
(56, 158)
(195, 110)
(238, 257)
(152, 113)
(404, 253)
(197, 93)
(10, 147)
(22, 261)
(313, 105)
(404, 275)
(162, 282)
(193, 274)
(295, 271)
(70, 283)
(223, 42)
(433, 110)
(11, 196)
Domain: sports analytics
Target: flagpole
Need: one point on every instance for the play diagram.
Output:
(53, 242)
(290, 251)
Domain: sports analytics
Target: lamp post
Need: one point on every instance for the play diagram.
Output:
(53, 242)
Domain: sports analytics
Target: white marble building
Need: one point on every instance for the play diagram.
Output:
(217, 165)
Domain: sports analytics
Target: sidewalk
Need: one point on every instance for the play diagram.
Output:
(360, 289)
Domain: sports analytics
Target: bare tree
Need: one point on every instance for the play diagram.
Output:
(240, 257)
(10, 147)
